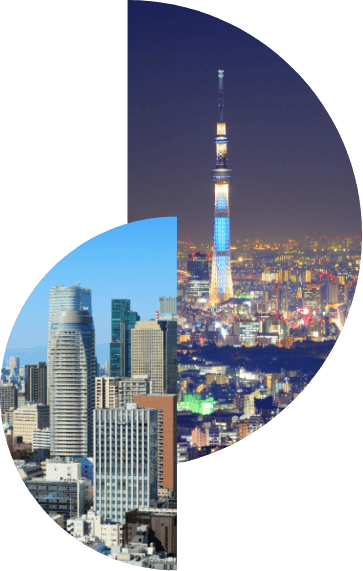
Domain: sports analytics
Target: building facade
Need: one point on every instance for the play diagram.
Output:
(8, 397)
(166, 405)
(154, 353)
(69, 298)
(116, 392)
(125, 460)
(122, 322)
(36, 383)
(28, 419)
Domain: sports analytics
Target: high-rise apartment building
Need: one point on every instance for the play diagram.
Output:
(125, 460)
(166, 405)
(221, 287)
(36, 383)
(154, 353)
(122, 322)
(8, 397)
(71, 377)
(67, 298)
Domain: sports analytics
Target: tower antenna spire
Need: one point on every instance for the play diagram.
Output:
(221, 98)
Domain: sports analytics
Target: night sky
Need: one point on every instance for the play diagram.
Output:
(291, 173)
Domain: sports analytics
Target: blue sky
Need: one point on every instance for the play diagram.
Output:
(136, 261)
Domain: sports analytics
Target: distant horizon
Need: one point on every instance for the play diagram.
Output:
(270, 240)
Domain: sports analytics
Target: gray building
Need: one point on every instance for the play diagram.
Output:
(125, 460)
(167, 305)
(36, 383)
(71, 377)
(116, 392)
(8, 397)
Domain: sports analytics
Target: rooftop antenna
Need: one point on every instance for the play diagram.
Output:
(221, 100)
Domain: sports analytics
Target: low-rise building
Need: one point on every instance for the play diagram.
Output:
(94, 525)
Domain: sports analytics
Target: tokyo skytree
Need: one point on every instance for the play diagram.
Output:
(221, 287)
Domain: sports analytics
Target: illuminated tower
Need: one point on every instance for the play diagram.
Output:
(221, 287)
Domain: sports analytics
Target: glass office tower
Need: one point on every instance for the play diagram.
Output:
(122, 322)
(71, 380)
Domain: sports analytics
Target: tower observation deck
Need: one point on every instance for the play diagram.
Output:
(221, 287)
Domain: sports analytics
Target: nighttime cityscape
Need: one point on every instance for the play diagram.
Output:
(268, 262)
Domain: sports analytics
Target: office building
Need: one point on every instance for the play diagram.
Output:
(166, 405)
(115, 392)
(29, 418)
(71, 377)
(41, 443)
(247, 331)
(221, 287)
(14, 363)
(125, 460)
(68, 498)
(36, 383)
(154, 353)
(312, 296)
(122, 322)
(275, 325)
(198, 276)
(167, 305)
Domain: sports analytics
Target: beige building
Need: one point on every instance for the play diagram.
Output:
(28, 418)
(116, 392)
(154, 353)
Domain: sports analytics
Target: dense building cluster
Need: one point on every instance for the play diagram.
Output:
(97, 445)
(242, 361)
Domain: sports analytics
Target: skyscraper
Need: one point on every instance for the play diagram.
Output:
(122, 322)
(125, 460)
(154, 353)
(70, 298)
(71, 378)
(221, 287)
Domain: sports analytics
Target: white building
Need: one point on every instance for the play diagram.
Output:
(93, 525)
(125, 460)
(57, 469)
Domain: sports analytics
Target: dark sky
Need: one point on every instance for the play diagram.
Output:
(291, 173)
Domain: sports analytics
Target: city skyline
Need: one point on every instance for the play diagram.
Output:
(147, 250)
(291, 172)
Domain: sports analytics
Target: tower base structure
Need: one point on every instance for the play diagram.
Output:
(221, 285)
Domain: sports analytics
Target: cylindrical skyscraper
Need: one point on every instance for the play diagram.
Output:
(221, 287)
(71, 379)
